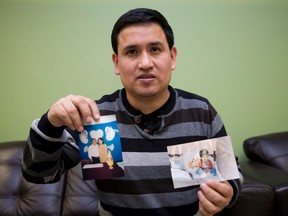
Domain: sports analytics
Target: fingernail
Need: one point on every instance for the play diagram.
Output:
(203, 185)
(80, 129)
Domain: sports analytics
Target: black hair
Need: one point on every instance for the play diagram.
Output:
(137, 16)
(203, 152)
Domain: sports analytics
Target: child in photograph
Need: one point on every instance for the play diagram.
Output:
(205, 164)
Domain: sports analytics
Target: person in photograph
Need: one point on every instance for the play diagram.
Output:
(205, 164)
(102, 150)
(93, 152)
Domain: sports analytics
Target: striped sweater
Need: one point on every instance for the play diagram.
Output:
(147, 187)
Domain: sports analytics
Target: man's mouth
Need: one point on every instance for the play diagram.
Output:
(146, 77)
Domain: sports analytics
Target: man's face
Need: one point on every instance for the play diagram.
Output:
(94, 142)
(144, 61)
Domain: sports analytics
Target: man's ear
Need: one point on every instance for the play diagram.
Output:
(173, 57)
(173, 54)
(116, 65)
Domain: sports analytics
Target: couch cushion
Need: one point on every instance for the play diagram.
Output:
(80, 196)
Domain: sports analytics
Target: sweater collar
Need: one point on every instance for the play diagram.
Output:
(163, 110)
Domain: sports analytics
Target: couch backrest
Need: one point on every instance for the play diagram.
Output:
(271, 149)
(70, 196)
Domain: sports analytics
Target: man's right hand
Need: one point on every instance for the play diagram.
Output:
(70, 110)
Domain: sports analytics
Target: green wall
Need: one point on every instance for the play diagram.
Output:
(232, 52)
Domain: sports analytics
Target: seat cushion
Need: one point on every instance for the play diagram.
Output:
(80, 196)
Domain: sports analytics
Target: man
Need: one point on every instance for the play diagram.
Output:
(151, 115)
(93, 152)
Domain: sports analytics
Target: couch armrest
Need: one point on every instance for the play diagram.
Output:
(270, 149)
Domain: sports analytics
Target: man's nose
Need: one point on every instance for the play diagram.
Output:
(145, 61)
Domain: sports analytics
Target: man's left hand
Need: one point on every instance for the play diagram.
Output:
(214, 196)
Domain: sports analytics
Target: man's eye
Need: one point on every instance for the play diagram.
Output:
(155, 50)
(131, 52)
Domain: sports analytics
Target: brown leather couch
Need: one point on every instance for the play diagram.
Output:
(268, 163)
(72, 196)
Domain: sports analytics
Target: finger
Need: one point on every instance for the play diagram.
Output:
(223, 188)
(73, 117)
(58, 116)
(205, 206)
(94, 111)
(211, 196)
(87, 108)
(70, 110)
(214, 191)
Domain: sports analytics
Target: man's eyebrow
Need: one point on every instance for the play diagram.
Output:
(156, 43)
(134, 46)
(129, 47)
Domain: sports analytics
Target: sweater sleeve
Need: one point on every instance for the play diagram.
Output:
(49, 152)
(236, 185)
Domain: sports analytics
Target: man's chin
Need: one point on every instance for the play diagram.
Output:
(147, 92)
